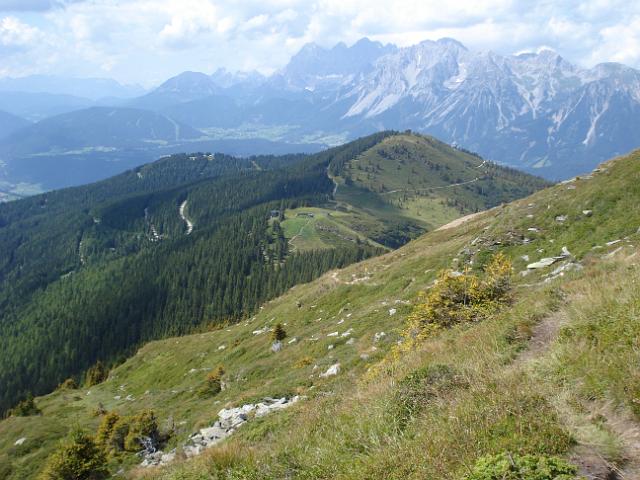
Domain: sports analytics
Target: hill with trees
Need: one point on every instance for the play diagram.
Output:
(92, 273)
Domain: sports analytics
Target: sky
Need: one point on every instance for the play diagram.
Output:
(148, 41)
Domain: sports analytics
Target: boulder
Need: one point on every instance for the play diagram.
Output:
(379, 336)
(542, 263)
(331, 371)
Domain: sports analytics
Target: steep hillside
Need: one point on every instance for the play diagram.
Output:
(550, 370)
(185, 241)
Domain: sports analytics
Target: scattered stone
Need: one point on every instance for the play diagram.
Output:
(525, 258)
(293, 340)
(364, 356)
(587, 213)
(276, 346)
(229, 420)
(261, 331)
(379, 336)
(333, 334)
(330, 347)
(158, 458)
(561, 218)
(222, 347)
(341, 321)
(331, 371)
(347, 333)
(611, 254)
(612, 242)
(542, 263)
(392, 312)
(560, 271)
(351, 341)
(129, 398)
(530, 215)
(20, 441)
(117, 397)
(533, 229)
(565, 252)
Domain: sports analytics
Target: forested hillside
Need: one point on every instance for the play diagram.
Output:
(190, 241)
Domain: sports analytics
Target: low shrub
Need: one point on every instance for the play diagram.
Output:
(96, 374)
(77, 458)
(26, 407)
(68, 384)
(213, 382)
(506, 466)
(459, 297)
(421, 387)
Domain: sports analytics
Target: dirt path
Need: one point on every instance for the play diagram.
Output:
(621, 424)
(299, 233)
(431, 188)
(458, 221)
(184, 218)
(543, 335)
(335, 278)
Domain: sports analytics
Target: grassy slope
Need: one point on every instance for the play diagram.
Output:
(408, 184)
(420, 181)
(349, 425)
(326, 229)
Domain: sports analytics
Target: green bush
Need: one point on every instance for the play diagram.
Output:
(143, 425)
(506, 466)
(119, 432)
(77, 458)
(96, 374)
(213, 382)
(459, 297)
(106, 429)
(419, 388)
(68, 384)
(26, 407)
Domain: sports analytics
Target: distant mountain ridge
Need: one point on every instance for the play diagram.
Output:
(9, 123)
(92, 88)
(534, 111)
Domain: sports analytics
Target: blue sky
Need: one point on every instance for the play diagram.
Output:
(147, 41)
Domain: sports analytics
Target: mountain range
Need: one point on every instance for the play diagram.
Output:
(533, 111)
(536, 111)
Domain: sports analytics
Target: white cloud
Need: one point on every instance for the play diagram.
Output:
(16, 35)
(149, 40)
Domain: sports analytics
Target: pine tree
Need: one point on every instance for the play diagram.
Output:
(278, 334)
